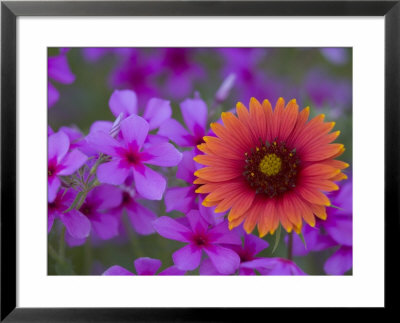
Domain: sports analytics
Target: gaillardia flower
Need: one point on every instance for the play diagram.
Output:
(270, 166)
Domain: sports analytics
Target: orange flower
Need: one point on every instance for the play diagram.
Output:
(269, 166)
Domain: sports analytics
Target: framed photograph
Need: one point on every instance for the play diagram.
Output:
(223, 155)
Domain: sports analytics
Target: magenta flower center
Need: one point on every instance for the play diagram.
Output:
(245, 256)
(52, 169)
(177, 60)
(126, 198)
(132, 157)
(200, 240)
(86, 209)
(54, 205)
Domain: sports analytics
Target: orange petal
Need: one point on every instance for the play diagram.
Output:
(208, 188)
(212, 160)
(209, 203)
(284, 219)
(236, 222)
(299, 126)
(320, 184)
(258, 119)
(230, 199)
(242, 204)
(204, 148)
(237, 129)
(335, 163)
(338, 153)
(277, 116)
(319, 211)
(221, 149)
(313, 196)
(267, 108)
(266, 219)
(217, 174)
(306, 211)
(288, 120)
(315, 134)
(293, 214)
(250, 222)
(324, 152)
(339, 177)
(319, 170)
(227, 190)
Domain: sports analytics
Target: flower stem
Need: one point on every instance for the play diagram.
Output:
(88, 256)
(61, 250)
(55, 255)
(290, 246)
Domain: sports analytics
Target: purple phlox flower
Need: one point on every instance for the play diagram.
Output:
(77, 225)
(94, 54)
(61, 161)
(127, 156)
(199, 237)
(124, 102)
(194, 113)
(274, 267)
(59, 71)
(251, 80)
(75, 136)
(137, 72)
(324, 89)
(144, 266)
(140, 217)
(335, 231)
(252, 246)
(335, 55)
(97, 208)
(181, 71)
(113, 129)
(185, 198)
(339, 226)
(50, 131)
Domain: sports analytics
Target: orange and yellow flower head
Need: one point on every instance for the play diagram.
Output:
(270, 166)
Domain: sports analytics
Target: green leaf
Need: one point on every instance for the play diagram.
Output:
(75, 202)
(277, 238)
(302, 240)
(82, 199)
(336, 207)
(64, 268)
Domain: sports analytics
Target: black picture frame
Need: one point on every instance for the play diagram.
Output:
(11, 10)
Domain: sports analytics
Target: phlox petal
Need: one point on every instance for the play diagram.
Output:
(225, 260)
(112, 173)
(147, 266)
(117, 271)
(187, 258)
(123, 101)
(149, 183)
(77, 224)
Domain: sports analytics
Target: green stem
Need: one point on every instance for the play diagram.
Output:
(61, 250)
(137, 251)
(290, 246)
(55, 255)
(88, 256)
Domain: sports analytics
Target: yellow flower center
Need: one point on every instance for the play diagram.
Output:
(270, 165)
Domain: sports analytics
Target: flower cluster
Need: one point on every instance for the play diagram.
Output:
(215, 186)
